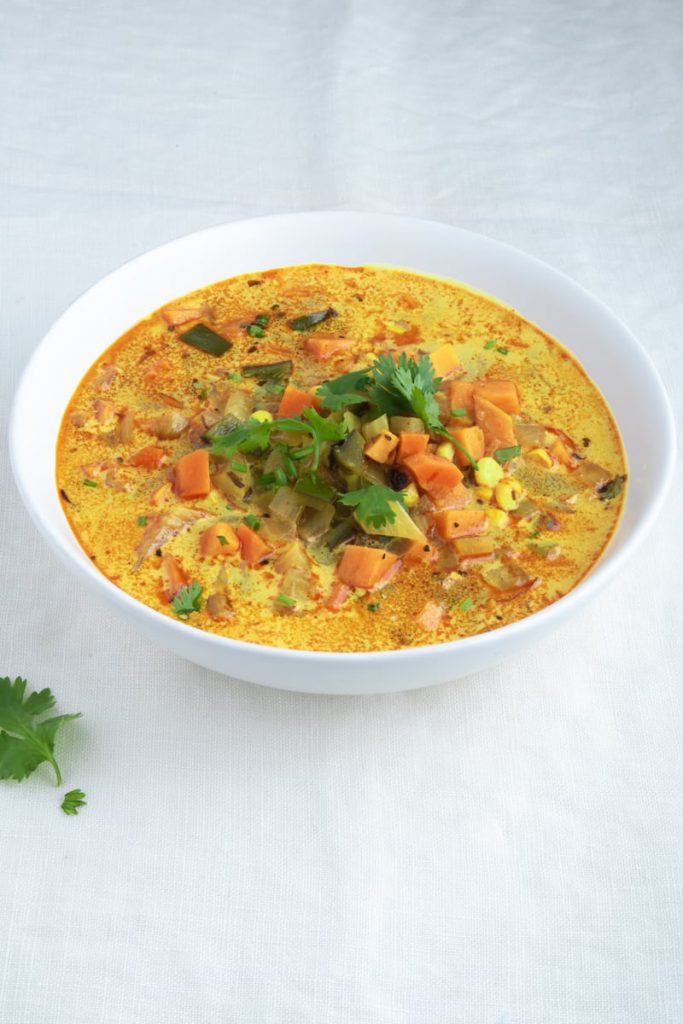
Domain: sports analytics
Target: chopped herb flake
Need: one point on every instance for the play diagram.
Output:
(465, 604)
(90, 483)
(252, 521)
(503, 351)
(187, 600)
(503, 454)
(372, 607)
(458, 412)
(288, 602)
(142, 520)
(254, 331)
(491, 343)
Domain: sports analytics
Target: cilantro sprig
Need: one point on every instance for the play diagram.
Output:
(187, 600)
(26, 742)
(341, 392)
(373, 504)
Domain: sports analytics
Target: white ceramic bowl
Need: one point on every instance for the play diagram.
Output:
(610, 354)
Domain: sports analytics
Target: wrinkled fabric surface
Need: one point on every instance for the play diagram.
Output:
(502, 850)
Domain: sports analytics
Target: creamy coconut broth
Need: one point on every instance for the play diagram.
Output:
(340, 459)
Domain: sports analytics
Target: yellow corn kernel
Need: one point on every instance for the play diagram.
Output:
(262, 415)
(488, 472)
(542, 456)
(485, 493)
(508, 495)
(497, 518)
(446, 450)
(411, 496)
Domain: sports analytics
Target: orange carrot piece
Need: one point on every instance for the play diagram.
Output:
(211, 545)
(466, 522)
(294, 401)
(560, 453)
(445, 361)
(172, 576)
(418, 551)
(472, 440)
(149, 457)
(457, 497)
(364, 567)
(382, 446)
(192, 478)
(253, 549)
(503, 393)
(499, 430)
(461, 396)
(410, 443)
(176, 317)
(433, 474)
(324, 346)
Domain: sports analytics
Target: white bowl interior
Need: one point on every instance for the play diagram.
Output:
(607, 350)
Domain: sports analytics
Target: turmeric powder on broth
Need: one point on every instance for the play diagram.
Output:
(341, 459)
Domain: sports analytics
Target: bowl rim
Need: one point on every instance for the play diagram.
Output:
(595, 579)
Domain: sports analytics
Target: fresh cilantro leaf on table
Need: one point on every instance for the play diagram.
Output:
(187, 600)
(373, 504)
(24, 742)
(74, 799)
(341, 392)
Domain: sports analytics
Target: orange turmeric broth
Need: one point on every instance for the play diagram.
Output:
(217, 464)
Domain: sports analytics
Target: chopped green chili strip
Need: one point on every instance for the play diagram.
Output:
(202, 337)
(305, 323)
(90, 483)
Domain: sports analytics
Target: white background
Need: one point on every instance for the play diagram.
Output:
(502, 850)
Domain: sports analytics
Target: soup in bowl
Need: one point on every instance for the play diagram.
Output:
(334, 474)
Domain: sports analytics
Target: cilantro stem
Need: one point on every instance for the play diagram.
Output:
(446, 433)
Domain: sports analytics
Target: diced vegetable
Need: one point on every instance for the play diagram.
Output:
(324, 347)
(411, 443)
(338, 595)
(433, 475)
(233, 485)
(508, 494)
(310, 320)
(165, 426)
(406, 424)
(592, 475)
(202, 337)
(173, 577)
(461, 396)
(350, 454)
(269, 371)
(418, 551)
(294, 401)
(253, 549)
(445, 361)
(530, 434)
(472, 440)
(401, 526)
(219, 539)
(149, 457)
(222, 428)
(503, 393)
(364, 567)
(560, 453)
(474, 547)
(380, 425)
(452, 523)
(508, 577)
(192, 479)
(497, 425)
(382, 446)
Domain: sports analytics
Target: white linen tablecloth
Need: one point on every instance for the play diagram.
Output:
(502, 850)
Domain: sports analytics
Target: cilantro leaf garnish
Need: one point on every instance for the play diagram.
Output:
(187, 600)
(74, 799)
(251, 436)
(24, 742)
(343, 391)
(373, 504)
